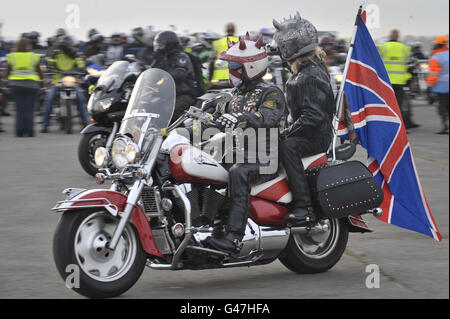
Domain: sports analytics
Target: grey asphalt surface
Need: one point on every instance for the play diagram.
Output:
(34, 171)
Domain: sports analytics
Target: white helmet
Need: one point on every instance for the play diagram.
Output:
(250, 54)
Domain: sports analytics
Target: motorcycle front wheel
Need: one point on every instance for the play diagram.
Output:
(79, 251)
(316, 252)
(86, 150)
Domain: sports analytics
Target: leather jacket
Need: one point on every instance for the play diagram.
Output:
(310, 102)
(180, 67)
(261, 104)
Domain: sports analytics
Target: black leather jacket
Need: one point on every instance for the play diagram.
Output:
(262, 105)
(310, 101)
(180, 67)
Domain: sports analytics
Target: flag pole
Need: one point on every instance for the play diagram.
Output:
(341, 88)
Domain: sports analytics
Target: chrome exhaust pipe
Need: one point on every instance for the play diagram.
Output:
(318, 228)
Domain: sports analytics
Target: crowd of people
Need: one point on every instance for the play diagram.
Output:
(174, 52)
(241, 62)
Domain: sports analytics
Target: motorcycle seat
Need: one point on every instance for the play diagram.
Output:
(277, 189)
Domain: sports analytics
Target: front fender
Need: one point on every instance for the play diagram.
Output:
(113, 202)
(94, 127)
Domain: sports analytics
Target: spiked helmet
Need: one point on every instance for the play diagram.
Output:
(250, 54)
(295, 37)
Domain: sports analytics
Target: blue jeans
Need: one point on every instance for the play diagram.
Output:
(51, 94)
(25, 99)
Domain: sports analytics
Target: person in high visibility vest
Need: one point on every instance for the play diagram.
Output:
(24, 79)
(395, 56)
(219, 72)
(438, 78)
(64, 58)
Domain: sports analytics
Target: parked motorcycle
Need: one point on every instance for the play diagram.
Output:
(106, 105)
(162, 184)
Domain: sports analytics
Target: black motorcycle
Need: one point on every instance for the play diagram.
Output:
(107, 104)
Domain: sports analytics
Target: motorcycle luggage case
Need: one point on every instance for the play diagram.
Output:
(345, 189)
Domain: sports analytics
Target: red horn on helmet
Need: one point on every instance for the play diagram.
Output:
(247, 36)
(242, 45)
(259, 42)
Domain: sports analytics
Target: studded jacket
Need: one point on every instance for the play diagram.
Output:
(310, 101)
(261, 104)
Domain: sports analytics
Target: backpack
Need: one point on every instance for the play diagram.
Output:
(199, 84)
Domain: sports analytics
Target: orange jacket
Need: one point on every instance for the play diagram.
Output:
(434, 68)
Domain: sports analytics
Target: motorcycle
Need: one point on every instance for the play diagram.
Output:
(106, 105)
(66, 107)
(163, 183)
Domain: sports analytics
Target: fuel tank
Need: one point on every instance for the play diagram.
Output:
(191, 165)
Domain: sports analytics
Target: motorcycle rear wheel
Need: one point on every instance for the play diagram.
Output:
(79, 242)
(316, 253)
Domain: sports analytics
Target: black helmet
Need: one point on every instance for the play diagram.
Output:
(65, 42)
(60, 32)
(33, 35)
(167, 41)
(137, 33)
(91, 33)
(97, 38)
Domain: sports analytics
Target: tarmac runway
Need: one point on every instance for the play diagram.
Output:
(34, 171)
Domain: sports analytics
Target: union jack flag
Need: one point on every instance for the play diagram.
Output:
(379, 126)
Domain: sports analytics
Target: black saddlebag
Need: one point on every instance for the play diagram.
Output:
(344, 189)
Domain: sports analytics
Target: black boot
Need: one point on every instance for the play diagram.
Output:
(230, 242)
(301, 215)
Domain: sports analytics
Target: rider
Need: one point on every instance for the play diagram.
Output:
(169, 57)
(145, 54)
(254, 104)
(63, 59)
(219, 71)
(115, 50)
(310, 101)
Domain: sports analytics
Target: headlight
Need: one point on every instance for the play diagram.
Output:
(124, 152)
(338, 78)
(68, 81)
(101, 156)
(131, 152)
(118, 153)
(104, 104)
(424, 66)
(267, 77)
(95, 72)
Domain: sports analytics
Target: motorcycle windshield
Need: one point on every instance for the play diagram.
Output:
(151, 104)
(113, 77)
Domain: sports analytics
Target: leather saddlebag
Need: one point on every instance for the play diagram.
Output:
(345, 189)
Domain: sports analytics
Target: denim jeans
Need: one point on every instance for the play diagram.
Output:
(25, 99)
(51, 94)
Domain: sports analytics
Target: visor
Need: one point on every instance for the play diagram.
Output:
(234, 65)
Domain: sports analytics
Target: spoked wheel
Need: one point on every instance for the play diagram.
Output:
(80, 240)
(318, 251)
(86, 150)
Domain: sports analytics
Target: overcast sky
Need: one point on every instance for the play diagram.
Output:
(411, 17)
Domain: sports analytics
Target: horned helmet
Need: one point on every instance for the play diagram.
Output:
(249, 55)
(295, 37)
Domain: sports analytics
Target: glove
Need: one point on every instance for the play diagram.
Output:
(230, 120)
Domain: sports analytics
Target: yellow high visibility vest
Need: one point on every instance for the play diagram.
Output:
(221, 71)
(395, 56)
(63, 62)
(23, 66)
